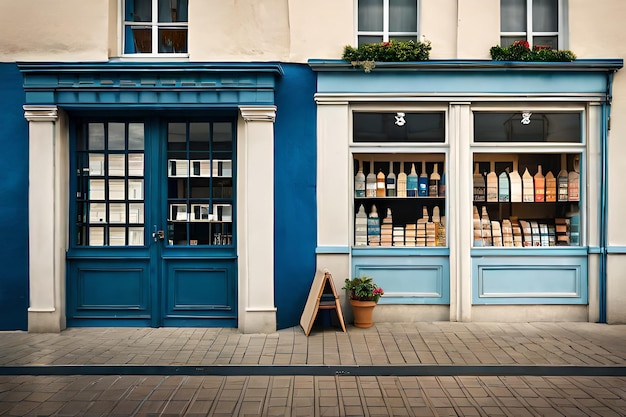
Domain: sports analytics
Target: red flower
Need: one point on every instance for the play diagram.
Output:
(540, 47)
(385, 43)
(523, 43)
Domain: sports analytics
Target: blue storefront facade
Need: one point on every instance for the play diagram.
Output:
(157, 194)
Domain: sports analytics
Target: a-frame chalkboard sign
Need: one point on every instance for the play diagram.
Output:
(322, 296)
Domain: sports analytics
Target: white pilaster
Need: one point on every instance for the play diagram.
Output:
(334, 202)
(46, 265)
(255, 219)
(591, 175)
(460, 206)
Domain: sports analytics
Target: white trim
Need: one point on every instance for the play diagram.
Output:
(258, 113)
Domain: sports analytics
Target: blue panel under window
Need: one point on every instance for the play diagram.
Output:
(542, 277)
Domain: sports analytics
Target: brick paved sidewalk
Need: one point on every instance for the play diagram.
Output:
(439, 343)
(533, 346)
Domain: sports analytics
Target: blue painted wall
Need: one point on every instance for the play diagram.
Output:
(296, 214)
(13, 201)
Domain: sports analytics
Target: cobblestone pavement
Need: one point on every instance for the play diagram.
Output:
(578, 352)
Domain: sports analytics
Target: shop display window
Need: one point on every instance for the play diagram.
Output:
(399, 200)
(531, 197)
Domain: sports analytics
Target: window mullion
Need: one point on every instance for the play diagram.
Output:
(529, 22)
(155, 26)
(385, 20)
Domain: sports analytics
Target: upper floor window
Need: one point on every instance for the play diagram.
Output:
(383, 20)
(540, 22)
(155, 26)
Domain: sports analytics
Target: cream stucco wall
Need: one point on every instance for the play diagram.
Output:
(268, 30)
(65, 30)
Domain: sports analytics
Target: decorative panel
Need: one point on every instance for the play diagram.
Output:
(407, 279)
(530, 280)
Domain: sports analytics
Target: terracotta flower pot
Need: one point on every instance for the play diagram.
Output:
(363, 313)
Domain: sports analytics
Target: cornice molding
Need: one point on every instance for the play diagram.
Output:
(34, 113)
(258, 113)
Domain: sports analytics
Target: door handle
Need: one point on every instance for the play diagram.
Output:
(158, 235)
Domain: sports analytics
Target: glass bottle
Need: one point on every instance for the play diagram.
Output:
(359, 182)
(391, 181)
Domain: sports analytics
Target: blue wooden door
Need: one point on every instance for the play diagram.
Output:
(153, 241)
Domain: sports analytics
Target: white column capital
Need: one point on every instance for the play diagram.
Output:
(38, 113)
(258, 113)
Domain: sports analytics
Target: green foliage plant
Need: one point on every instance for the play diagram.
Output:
(521, 51)
(367, 55)
(363, 289)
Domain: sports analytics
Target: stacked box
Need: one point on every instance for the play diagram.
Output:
(360, 228)
(478, 232)
(386, 230)
(496, 233)
(536, 239)
(410, 233)
(562, 230)
(507, 233)
(398, 236)
(526, 233)
(551, 235)
(486, 228)
(543, 234)
(431, 234)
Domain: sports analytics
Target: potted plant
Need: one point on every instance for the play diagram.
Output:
(367, 55)
(520, 51)
(364, 295)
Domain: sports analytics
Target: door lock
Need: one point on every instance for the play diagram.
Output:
(158, 235)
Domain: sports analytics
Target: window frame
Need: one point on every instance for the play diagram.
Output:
(529, 34)
(385, 33)
(154, 25)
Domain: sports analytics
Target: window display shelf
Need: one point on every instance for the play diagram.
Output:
(394, 205)
(518, 201)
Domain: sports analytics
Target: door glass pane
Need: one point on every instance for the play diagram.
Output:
(513, 15)
(135, 213)
(117, 189)
(545, 16)
(96, 189)
(96, 164)
(116, 136)
(402, 15)
(200, 171)
(135, 189)
(117, 213)
(117, 236)
(96, 236)
(135, 164)
(135, 236)
(370, 15)
(97, 213)
(117, 165)
(104, 189)
(96, 136)
(135, 136)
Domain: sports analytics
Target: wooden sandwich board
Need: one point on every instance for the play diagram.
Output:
(322, 296)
